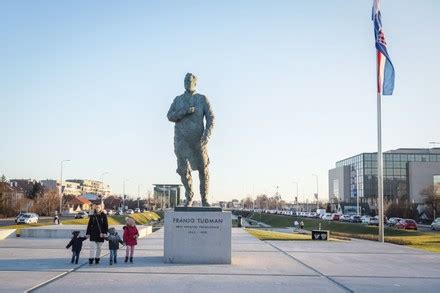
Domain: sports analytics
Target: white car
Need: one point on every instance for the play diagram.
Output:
(27, 218)
(129, 211)
(435, 224)
(373, 221)
(327, 216)
(365, 219)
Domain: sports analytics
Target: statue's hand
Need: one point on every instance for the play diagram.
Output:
(191, 110)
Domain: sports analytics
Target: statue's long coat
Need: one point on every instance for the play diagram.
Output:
(189, 130)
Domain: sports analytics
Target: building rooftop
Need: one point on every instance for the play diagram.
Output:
(414, 151)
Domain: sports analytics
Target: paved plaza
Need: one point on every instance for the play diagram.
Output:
(43, 265)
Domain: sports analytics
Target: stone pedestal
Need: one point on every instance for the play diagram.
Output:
(197, 236)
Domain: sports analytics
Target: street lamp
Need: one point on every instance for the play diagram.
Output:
(297, 202)
(139, 192)
(123, 194)
(317, 192)
(61, 185)
(103, 189)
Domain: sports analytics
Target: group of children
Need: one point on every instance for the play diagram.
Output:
(129, 239)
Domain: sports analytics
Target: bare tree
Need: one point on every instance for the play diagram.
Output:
(47, 202)
(431, 197)
(262, 201)
(247, 202)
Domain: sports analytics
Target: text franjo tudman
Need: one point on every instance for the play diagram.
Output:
(197, 220)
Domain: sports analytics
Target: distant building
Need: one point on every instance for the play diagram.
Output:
(167, 195)
(406, 172)
(90, 186)
(14, 197)
(223, 204)
(77, 204)
(69, 187)
(49, 184)
(25, 185)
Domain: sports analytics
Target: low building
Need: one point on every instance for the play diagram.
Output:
(78, 203)
(406, 172)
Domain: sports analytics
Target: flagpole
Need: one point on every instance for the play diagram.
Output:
(380, 167)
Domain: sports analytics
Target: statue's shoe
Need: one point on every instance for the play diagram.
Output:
(205, 204)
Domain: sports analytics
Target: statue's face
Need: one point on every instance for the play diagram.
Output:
(190, 82)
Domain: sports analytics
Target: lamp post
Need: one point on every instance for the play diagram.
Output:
(317, 192)
(103, 189)
(297, 202)
(149, 203)
(163, 197)
(123, 194)
(61, 185)
(139, 194)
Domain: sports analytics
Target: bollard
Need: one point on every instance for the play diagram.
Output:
(239, 221)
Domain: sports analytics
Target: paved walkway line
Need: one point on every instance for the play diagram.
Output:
(51, 280)
(311, 268)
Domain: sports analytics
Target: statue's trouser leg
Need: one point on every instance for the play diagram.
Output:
(184, 170)
(204, 185)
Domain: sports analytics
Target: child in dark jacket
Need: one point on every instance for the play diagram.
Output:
(113, 244)
(76, 243)
(131, 235)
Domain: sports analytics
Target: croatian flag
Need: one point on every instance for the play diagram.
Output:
(385, 69)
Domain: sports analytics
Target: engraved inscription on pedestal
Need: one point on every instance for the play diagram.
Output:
(197, 237)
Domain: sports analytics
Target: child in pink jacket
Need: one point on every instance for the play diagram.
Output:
(130, 237)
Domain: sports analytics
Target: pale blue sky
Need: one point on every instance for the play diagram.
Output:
(292, 84)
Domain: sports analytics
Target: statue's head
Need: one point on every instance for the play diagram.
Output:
(190, 82)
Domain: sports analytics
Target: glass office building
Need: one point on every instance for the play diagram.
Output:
(357, 175)
(167, 195)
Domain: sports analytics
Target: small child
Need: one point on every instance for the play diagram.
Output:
(131, 235)
(113, 244)
(301, 224)
(76, 243)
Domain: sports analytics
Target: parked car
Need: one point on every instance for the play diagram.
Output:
(435, 225)
(373, 221)
(27, 218)
(119, 213)
(18, 216)
(110, 212)
(335, 217)
(345, 218)
(137, 210)
(129, 211)
(81, 215)
(327, 216)
(365, 219)
(393, 221)
(406, 224)
(355, 219)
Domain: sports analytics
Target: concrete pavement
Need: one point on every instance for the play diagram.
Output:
(257, 266)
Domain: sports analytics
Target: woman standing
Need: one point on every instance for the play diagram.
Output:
(97, 229)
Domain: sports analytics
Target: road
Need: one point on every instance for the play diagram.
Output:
(11, 221)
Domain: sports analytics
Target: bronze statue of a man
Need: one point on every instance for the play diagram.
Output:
(191, 136)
